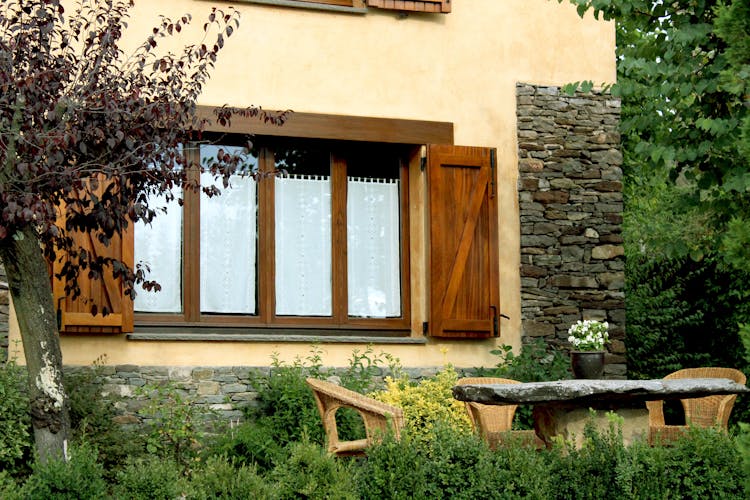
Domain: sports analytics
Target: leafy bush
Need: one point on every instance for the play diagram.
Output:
(219, 478)
(537, 362)
(393, 470)
(15, 423)
(684, 314)
(310, 472)
(175, 424)
(427, 403)
(251, 443)
(9, 489)
(91, 418)
(286, 405)
(151, 478)
(80, 477)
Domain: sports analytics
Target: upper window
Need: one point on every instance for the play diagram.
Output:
(315, 237)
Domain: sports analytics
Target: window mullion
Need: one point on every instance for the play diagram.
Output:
(266, 242)
(338, 240)
(191, 239)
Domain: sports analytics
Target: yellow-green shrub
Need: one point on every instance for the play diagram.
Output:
(427, 403)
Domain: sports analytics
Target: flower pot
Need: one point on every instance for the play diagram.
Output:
(587, 364)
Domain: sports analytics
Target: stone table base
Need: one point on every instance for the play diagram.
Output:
(552, 422)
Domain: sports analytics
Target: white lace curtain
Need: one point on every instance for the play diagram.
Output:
(303, 245)
(228, 247)
(159, 246)
(373, 247)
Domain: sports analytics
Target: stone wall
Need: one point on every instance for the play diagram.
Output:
(570, 200)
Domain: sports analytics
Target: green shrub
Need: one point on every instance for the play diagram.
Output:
(427, 403)
(15, 423)
(150, 478)
(537, 362)
(459, 466)
(9, 489)
(393, 470)
(522, 472)
(286, 405)
(251, 443)
(91, 418)
(219, 478)
(310, 472)
(175, 425)
(81, 477)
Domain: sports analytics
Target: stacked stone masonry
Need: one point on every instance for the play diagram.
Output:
(570, 201)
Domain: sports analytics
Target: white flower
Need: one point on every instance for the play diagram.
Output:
(589, 335)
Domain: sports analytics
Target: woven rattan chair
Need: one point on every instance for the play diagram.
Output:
(494, 422)
(378, 417)
(709, 411)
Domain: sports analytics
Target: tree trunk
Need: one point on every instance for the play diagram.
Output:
(31, 290)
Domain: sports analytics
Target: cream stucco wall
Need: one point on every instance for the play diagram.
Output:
(461, 68)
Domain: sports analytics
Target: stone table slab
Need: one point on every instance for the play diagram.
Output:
(561, 407)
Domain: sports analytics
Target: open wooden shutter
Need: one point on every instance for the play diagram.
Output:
(74, 316)
(441, 6)
(463, 251)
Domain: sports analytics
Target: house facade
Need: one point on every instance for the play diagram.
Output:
(431, 194)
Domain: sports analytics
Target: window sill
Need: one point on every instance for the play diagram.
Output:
(313, 6)
(275, 335)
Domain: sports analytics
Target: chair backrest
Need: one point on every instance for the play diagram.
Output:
(707, 411)
(378, 417)
(489, 418)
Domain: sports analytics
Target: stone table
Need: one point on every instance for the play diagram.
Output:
(561, 408)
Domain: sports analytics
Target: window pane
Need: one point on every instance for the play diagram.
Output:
(159, 246)
(373, 236)
(303, 233)
(228, 240)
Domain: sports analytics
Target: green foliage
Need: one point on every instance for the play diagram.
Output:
(682, 71)
(428, 403)
(251, 443)
(286, 405)
(15, 422)
(151, 478)
(175, 424)
(310, 472)
(393, 470)
(9, 489)
(81, 477)
(683, 314)
(537, 362)
(91, 417)
(218, 478)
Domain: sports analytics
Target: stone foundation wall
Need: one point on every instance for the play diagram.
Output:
(570, 200)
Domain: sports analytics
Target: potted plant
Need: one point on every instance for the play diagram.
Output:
(588, 338)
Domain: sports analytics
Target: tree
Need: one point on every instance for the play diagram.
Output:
(680, 67)
(87, 135)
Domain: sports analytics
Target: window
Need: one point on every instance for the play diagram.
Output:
(316, 238)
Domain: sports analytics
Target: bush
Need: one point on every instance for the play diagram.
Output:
(286, 405)
(428, 403)
(151, 478)
(537, 362)
(251, 443)
(175, 424)
(219, 478)
(15, 423)
(91, 418)
(393, 470)
(79, 478)
(310, 472)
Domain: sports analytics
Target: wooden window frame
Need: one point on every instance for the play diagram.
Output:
(266, 306)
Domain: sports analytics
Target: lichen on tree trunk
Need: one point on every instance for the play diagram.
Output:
(31, 291)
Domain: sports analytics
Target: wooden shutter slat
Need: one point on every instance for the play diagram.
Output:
(106, 292)
(463, 253)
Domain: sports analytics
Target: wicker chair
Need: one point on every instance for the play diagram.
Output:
(494, 422)
(378, 417)
(707, 411)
